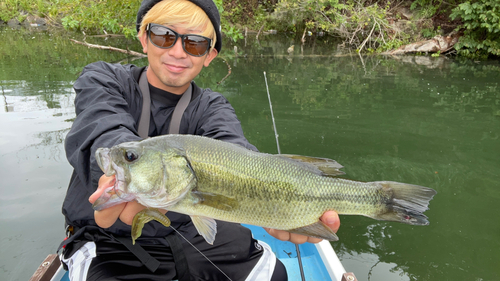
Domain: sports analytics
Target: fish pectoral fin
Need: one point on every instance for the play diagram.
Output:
(178, 177)
(145, 216)
(321, 166)
(317, 230)
(207, 227)
(214, 200)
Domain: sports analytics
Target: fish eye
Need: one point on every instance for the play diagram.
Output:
(130, 155)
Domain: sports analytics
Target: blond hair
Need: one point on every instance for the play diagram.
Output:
(171, 12)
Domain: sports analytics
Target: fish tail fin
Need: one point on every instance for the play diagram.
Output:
(405, 202)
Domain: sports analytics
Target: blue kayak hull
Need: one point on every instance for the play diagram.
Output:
(317, 264)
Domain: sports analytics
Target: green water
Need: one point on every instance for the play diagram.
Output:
(427, 121)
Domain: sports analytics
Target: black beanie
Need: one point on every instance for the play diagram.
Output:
(208, 6)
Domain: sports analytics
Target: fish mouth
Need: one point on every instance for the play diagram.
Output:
(116, 194)
(104, 161)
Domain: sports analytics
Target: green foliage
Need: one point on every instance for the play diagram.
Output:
(238, 13)
(429, 8)
(481, 21)
(366, 25)
(92, 16)
(233, 33)
(435, 55)
(70, 23)
(361, 24)
(428, 32)
(10, 9)
(227, 29)
(315, 15)
(111, 16)
(96, 16)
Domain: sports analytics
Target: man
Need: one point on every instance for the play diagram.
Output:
(179, 37)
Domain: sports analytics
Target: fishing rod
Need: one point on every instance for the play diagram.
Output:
(223, 273)
(272, 115)
(299, 258)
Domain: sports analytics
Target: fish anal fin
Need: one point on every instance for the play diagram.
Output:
(145, 216)
(317, 230)
(207, 227)
(321, 166)
(214, 200)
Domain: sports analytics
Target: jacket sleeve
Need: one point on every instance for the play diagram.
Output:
(104, 95)
(218, 120)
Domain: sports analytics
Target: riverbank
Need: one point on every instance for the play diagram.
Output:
(469, 28)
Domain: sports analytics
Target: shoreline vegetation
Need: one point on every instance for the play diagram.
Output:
(466, 28)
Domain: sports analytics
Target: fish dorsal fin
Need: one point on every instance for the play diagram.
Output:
(214, 200)
(321, 166)
(317, 230)
(207, 227)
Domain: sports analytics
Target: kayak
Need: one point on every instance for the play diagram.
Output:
(319, 261)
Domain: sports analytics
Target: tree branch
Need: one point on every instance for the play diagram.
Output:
(128, 52)
(367, 38)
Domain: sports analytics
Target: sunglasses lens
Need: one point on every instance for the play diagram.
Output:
(162, 37)
(195, 45)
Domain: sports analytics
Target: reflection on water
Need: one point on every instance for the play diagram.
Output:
(426, 121)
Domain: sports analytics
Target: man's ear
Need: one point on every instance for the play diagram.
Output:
(211, 55)
(144, 41)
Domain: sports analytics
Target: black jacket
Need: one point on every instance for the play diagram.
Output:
(108, 107)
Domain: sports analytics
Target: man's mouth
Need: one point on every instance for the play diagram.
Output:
(175, 68)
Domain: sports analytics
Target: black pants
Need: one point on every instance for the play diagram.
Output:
(234, 252)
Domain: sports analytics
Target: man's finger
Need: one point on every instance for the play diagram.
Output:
(332, 220)
(104, 182)
(298, 239)
(107, 217)
(132, 208)
(278, 234)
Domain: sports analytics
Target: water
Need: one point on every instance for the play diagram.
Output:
(428, 121)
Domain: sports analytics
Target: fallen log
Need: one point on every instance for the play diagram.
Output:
(437, 44)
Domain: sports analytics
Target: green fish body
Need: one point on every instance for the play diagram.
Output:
(210, 179)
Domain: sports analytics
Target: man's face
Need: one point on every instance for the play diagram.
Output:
(173, 69)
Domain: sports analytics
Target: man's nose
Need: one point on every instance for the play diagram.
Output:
(177, 50)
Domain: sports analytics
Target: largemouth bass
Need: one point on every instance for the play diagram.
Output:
(210, 180)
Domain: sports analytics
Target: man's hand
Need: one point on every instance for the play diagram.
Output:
(125, 211)
(330, 218)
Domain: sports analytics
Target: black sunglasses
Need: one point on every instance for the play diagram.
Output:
(164, 37)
